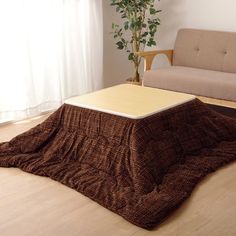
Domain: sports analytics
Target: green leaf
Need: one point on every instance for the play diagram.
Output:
(131, 56)
(151, 42)
(126, 25)
(139, 25)
(152, 11)
(144, 34)
(120, 45)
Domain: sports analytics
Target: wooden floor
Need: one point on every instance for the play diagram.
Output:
(32, 205)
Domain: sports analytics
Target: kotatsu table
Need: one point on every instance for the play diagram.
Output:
(130, 101)
(136, 151)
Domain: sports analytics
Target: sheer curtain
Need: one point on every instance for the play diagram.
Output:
(49, 50)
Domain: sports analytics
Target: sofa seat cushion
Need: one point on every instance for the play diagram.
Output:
(200, 82)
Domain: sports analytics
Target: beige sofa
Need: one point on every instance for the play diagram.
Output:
(203, 63)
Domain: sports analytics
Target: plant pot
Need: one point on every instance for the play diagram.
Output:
(132, 81)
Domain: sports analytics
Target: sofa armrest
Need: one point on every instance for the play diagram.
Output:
(150, 55)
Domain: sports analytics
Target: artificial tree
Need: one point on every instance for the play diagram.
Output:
(138, 30)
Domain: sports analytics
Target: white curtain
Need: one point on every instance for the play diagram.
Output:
(49, 50)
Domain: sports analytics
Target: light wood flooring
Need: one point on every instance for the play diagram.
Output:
(32, 205)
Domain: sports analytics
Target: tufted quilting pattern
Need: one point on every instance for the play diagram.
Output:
(141, 169)
(212, 50)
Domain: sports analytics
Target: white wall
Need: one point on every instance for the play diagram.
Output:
(203, 14)
(116, 66)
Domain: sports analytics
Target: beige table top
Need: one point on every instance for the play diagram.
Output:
(130, 101)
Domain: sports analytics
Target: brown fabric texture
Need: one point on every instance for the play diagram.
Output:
(140, 169)
(201, 82)
(206, 49)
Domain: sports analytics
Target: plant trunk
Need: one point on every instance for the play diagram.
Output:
(135, 47)
(136, 77)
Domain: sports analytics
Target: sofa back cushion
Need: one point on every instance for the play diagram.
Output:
(212, 50)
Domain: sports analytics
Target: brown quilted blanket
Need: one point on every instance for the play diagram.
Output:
(140, 169)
